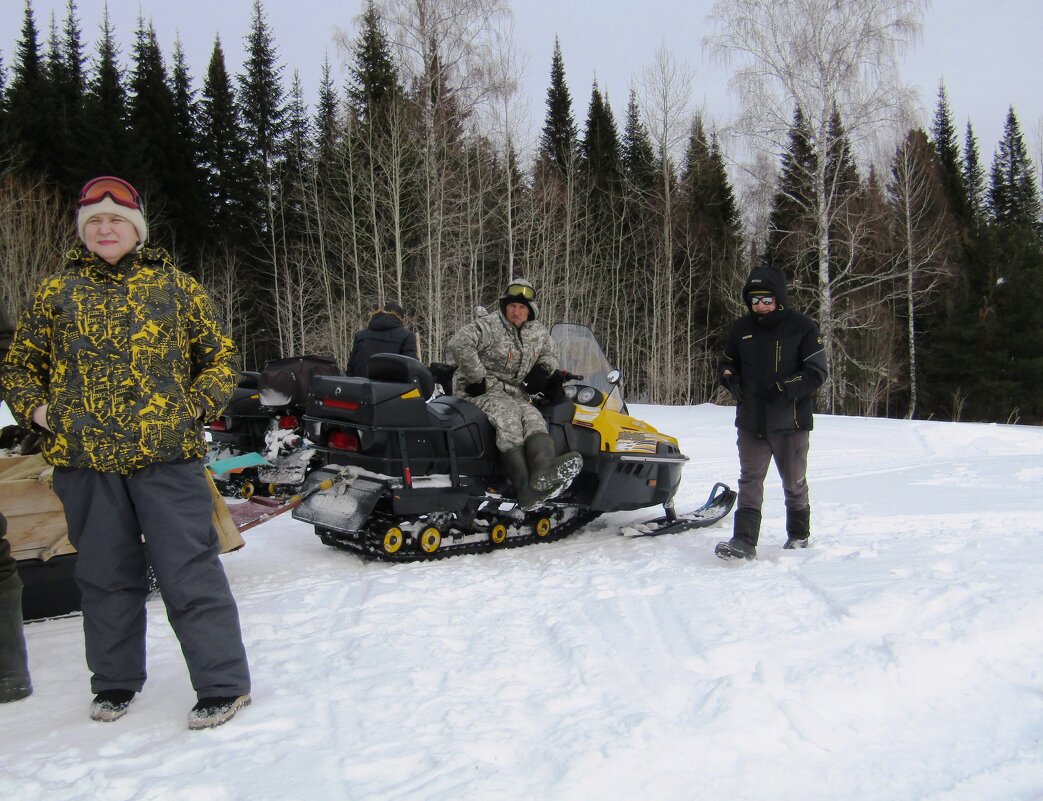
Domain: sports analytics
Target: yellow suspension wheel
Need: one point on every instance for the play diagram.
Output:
(430, 539)
(543, 527)
(498, 535)
(393, 539)
(273, 488)
(247, 490)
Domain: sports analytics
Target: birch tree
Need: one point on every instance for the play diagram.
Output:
(822, 56)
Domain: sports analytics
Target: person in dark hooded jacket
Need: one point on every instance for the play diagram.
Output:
(386, 333)
(773, 363)
(14, 661)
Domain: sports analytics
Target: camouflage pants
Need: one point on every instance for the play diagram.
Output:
(514, 420)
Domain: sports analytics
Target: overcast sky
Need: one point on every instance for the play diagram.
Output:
(988, 52)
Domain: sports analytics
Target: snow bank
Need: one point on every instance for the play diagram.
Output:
(898, 658)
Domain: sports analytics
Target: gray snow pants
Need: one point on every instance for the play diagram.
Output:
(790, 451)
(514, 420)
(170, 504)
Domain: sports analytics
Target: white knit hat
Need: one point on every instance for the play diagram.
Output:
(106, 205)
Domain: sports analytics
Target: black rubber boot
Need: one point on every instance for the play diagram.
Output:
(14, 661)
(518, 472)
(746, 532)
(550, 475)
(798, 528)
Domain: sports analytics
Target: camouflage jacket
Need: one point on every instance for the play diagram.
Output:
(125, 357)
(493, 349)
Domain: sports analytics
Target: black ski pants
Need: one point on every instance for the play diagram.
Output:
(170, 505)
(790, 451)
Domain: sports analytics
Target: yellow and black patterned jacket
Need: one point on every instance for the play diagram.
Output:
(125, 357)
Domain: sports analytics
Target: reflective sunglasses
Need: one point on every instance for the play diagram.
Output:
(767, 300)
(119, 190)
(521, 291)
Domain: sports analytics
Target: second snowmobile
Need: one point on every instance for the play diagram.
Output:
(415, 476)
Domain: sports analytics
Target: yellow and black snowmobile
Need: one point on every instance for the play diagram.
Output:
(418, 476)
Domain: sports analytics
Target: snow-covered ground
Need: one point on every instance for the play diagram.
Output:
(901, 657)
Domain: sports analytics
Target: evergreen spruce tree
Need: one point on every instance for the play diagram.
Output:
(599, 150)
(1013, 194)
(639, 161)
(69, 98)
(791, 243)
(223, 152)
(153, 127)
(710, 256)
(188, 187)
(27, 112)
(373, 78)
(973, 177)
(326, 124)
(558, 141)
(947, 148)
(262, 111)
(105, 112)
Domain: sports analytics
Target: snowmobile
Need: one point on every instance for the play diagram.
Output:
(411, 475)
(257, 445)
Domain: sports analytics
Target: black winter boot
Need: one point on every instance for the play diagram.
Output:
(14, 661)
(798, 528)
(746, 532)
(549, 476)
(518, 472)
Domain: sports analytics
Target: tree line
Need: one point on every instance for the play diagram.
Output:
(407, 184)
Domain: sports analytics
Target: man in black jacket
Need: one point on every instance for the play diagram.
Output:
(773, 363)
(385, 333)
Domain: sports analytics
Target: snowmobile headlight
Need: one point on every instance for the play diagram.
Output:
(570, 392)
(587, 396)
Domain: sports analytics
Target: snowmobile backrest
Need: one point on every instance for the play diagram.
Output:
(285, 382)
(400, 369)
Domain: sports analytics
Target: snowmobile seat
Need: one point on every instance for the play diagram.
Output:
(399, 369)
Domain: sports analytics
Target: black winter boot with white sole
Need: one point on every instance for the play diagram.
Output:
(211, 712)
(110, 705)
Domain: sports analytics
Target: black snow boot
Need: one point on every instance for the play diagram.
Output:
(518, 472)
(14, 660)
(746, 532)
(798, 528)
(550, 475)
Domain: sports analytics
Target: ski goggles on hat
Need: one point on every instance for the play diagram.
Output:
(767, 300)
(521, 291)
(117, 189)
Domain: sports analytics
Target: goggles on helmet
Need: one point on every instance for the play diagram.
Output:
(120, 191)
(521, 291)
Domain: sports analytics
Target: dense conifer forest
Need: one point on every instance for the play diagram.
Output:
(407, 182)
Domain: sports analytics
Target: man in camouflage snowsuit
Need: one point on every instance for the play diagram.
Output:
(117, 361)
(502, 359)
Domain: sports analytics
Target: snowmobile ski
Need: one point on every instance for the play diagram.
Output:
(718, 504)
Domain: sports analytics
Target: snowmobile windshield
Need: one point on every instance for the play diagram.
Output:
(579, 353)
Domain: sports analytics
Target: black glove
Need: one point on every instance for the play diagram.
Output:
(773, 392)
(734, 386)
(554, 391)
(475, 389)
(536, 380)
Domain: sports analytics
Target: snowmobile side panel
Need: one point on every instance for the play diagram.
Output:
(413, 501)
